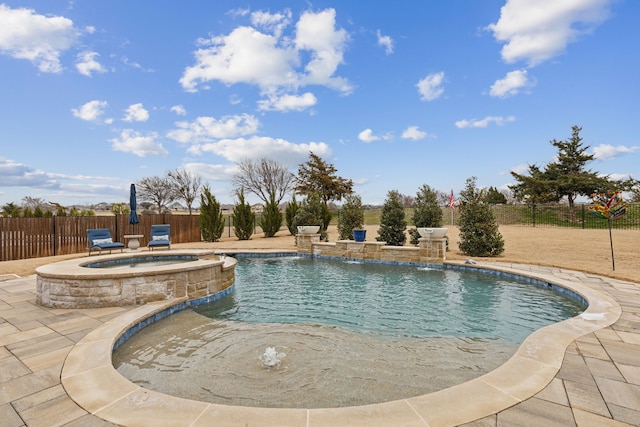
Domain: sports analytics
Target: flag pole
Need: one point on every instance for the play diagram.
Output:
(451, 205)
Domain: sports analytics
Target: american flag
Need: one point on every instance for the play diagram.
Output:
(452, 202)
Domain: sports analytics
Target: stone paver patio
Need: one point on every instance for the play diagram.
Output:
(597, 383)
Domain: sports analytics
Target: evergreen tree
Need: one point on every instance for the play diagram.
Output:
(211, 219)
(290, 212)
(351, 217)
(494, 197)
(271, 220)
(318, 176)
(479, 235)
(243, 218)
(11, 210)
(426, 213)
(566, 177)
(392, 221)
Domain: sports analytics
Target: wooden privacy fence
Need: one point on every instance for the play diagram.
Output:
(23, 238)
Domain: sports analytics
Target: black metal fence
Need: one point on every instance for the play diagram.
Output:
(539, 215)
(554, 215)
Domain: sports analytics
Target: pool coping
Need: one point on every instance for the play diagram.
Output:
(90, 379)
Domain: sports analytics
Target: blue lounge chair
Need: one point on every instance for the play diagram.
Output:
(160, 236)
(100, 238)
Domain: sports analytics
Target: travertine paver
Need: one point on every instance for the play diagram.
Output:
(598, 383)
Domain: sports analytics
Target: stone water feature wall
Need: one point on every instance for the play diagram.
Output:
(428, 251)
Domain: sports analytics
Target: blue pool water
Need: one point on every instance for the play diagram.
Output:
(343, 334)
(389, 300)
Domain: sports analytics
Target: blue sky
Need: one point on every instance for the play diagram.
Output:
(98, 94)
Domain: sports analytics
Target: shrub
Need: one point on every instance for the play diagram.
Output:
(351, 217)
(479, 235)
(271, 220)
(243, 218)
(211, 219)
(289, 213)
(310, 212)
(392, 221)
(426, 212)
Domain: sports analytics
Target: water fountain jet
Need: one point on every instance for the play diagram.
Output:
(271, 358)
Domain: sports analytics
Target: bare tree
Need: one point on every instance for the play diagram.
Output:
(157, 190)
(34, 202)
(265, 178)
(186, 185)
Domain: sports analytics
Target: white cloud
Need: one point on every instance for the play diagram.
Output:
(511, 84)
(430, 88)
(483, 123)
(131, 141)
(285, 152)
(136, 113)
(386, 42)
(275, 23)
(367, 136)
(91, 111)
(273, 62)
(244, 56)
(206, 129)
(211, 172)
(179, 110)
(607, 151)
(86, 64)
(38, 38)
(535, 31)
(412, 132)
(288, 102)
(317, 33)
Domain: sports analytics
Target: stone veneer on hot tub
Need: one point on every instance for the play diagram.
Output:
(69, 284)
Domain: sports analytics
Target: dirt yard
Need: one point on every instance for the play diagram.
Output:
(576, 249)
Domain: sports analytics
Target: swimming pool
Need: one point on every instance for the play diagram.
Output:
(347, 333)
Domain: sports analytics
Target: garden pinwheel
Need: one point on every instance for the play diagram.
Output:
(608, 206)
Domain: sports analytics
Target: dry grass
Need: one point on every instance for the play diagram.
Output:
(575, 249)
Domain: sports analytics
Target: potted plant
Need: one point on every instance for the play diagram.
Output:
(359, 234)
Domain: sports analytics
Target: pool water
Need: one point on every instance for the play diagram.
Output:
(389, 300)
(346, 334)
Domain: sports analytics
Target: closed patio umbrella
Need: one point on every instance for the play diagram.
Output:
(133, 215)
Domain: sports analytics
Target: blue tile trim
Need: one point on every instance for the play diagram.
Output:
(168, 312)
(529, 280)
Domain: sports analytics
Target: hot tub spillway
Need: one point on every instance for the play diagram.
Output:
(131, 279)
